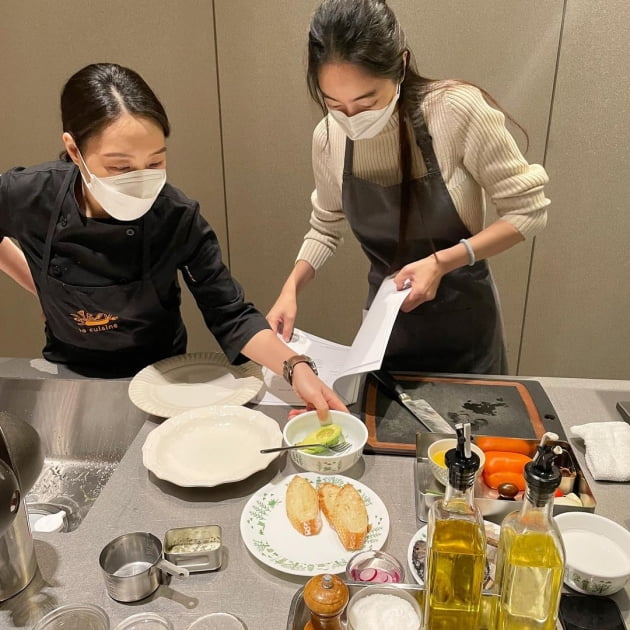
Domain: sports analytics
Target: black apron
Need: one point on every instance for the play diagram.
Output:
(461, 329)
(121, 324)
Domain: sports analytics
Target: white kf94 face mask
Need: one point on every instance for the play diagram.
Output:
(127, 196)
(365, 124)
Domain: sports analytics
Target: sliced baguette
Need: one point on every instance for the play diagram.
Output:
(303, 507)
(350, 518)
(327, 493)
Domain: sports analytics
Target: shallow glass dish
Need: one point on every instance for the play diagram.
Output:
(145, 621)
(374, 566)
(84, 616)
(218, 621)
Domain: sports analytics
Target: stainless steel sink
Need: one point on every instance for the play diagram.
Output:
(85, 427)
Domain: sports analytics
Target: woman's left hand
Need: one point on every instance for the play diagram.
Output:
(423, 276)
(314, 392)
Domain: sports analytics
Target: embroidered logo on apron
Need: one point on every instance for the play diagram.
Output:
(89, 323)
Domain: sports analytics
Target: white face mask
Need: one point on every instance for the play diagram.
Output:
(127, 196)
(365, 124)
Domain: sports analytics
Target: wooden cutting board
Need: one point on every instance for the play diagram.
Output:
(511, 408)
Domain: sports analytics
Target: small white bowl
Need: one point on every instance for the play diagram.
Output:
(392, 592)
(597, 553)
(441, 472)
(354, 431)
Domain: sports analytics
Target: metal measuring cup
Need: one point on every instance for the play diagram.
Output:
(132, 565)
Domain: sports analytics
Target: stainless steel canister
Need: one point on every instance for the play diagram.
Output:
(18, 562)
(132, 565)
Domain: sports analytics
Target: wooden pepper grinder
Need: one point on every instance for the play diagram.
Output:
(326, 596)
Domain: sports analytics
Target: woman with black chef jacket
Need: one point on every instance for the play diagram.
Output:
(104, 236)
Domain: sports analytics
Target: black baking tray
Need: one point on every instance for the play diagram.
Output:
(493, 405)
(299, 613)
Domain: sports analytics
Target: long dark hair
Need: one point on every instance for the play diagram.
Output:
(367, 33)
(100, 93)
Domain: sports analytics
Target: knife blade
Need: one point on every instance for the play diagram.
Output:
(421, 410)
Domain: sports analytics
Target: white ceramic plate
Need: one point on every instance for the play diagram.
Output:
(210, 446)
(271, 538)
(492, 531)
(189, 381)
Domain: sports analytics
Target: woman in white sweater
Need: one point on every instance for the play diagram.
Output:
(405, 160)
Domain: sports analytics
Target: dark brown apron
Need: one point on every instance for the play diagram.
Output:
(118, 323)
(461, 329)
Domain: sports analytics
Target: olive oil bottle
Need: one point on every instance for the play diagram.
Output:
(456, 546)
(530, 560)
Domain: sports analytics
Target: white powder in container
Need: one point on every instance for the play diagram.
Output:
(383, 612)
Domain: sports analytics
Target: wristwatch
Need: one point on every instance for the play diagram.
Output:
(289, 365)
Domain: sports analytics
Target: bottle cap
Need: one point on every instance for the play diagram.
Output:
(462, 462)
(541, 475)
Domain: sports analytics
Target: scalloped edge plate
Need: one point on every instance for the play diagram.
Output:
(270, 537)
(190, 381)
(210, 446)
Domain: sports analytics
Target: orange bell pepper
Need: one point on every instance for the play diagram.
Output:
(511, 445)
(501, 461)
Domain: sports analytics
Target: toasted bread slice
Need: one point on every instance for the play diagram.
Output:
(327, 493)
(303, 507)
(350, 517)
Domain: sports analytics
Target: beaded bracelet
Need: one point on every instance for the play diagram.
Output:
(470, 250)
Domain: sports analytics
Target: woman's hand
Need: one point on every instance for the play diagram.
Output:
(423, 276)
(265, 348)
(281, 316)
(314, 392)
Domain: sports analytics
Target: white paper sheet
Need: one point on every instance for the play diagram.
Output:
(340, 366)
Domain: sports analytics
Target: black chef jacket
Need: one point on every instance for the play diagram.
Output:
(90, 252)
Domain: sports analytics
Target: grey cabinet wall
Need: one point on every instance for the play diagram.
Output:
(231, 75)
(578, 315)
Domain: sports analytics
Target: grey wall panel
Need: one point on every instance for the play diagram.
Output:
(577, 321)
(268, 120)
(43, 43)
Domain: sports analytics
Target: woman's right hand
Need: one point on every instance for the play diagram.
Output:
(281, 316)
(315, 393)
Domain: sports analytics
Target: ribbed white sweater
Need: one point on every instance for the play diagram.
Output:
(474, 150)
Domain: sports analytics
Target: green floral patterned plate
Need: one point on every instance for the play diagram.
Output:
(270, 538)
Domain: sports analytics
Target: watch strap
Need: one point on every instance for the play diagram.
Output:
(289, 365)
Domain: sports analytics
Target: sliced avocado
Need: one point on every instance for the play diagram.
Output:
(328, 435)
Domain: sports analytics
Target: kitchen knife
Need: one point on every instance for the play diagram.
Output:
(419, 408)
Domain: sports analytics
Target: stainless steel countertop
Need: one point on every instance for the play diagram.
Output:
(134, 500)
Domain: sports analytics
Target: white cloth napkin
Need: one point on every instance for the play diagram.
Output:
(607, 449)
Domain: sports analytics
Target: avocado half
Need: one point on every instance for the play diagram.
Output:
(328, 435)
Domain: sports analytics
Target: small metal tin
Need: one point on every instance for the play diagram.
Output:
(195, 548)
